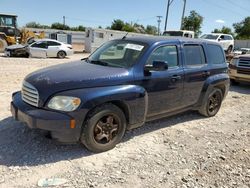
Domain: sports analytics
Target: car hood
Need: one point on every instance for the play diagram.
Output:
(75, 75)
(15, 46)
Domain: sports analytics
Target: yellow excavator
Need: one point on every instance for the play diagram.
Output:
(10, 34)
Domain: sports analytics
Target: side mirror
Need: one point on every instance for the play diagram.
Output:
(157, 66)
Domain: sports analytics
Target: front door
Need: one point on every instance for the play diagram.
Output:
(164, 88)
(38, 49)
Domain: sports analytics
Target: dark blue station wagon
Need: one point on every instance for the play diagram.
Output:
(122, 85)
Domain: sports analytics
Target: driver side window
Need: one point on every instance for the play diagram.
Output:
(166, 54)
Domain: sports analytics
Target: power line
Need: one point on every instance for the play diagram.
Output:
(221, 7)
(237, 5)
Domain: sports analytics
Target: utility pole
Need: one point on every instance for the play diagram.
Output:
(166, 20)
(63, 20)
(159, 23)
(183, 13)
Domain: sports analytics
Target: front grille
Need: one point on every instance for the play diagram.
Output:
(244, 63)
(30, 94)
(243, 71)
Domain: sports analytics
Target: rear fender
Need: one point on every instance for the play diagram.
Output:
(220, 81)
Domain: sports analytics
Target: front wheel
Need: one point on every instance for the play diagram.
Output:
(230, 49)
(212, 103)
(104, 128)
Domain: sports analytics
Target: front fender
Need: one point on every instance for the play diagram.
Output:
(133, 98)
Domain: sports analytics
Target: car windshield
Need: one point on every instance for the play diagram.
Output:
(117, 53)
(209, 36)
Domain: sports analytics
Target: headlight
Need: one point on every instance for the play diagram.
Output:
(235, 61)
(64, 103)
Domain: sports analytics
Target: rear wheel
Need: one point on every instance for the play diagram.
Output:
(212, 104)
(61, 54)
(3, 44)
(104, 128)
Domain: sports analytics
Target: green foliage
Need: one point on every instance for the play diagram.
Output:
(60, 26)
(128, 28)
(152, 30)
(137, 28)
(55, 26)
(242, 29)
(193, 22)
(36, 25)
(117, 25)
(225, 30)
(78, 28)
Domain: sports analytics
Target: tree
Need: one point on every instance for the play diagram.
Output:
(152, 30)
(117, 25)
(36, 25)
(224, 29)
(128, 28)
(242, 29)
(193, 22)
(60, 26)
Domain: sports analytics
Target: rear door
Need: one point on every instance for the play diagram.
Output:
(53, 48)
(196, 72)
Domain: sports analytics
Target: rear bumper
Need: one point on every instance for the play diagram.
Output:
(70, 52)
(58, 124)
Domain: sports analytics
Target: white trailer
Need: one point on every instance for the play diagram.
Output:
(94, 38)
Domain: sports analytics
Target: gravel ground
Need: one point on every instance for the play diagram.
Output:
(187, 150)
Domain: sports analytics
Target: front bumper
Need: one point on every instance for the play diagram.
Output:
(58, 124)
(233, 74)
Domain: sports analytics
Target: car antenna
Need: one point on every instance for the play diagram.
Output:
(125, 36)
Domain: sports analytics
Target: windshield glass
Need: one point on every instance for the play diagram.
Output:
(7, 21)
(173, 33)
(118, 53)
(209, 36)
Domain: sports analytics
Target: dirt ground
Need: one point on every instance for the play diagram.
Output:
(186, 150)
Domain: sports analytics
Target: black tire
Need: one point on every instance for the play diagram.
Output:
(104, 128)
(61, 54)
(234, 82)
(230, 49)
(212, 103)
(3, 45)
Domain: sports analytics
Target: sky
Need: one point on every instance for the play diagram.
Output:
(94, 13)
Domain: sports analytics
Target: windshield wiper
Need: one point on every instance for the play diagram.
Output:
(98, 62)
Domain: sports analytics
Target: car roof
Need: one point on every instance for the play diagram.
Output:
(165, 39)
(217, 34)
(47, 40)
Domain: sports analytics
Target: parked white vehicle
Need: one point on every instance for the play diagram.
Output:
(226, 41)
(179, 33)
(50, 48)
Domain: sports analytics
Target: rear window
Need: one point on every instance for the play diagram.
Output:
(216, 54)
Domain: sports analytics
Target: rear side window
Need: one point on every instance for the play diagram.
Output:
(52, 43)
(216, 54)
(194, 55)
(39, 45)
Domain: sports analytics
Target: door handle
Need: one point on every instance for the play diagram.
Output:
(174, 78)
(206, 73)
